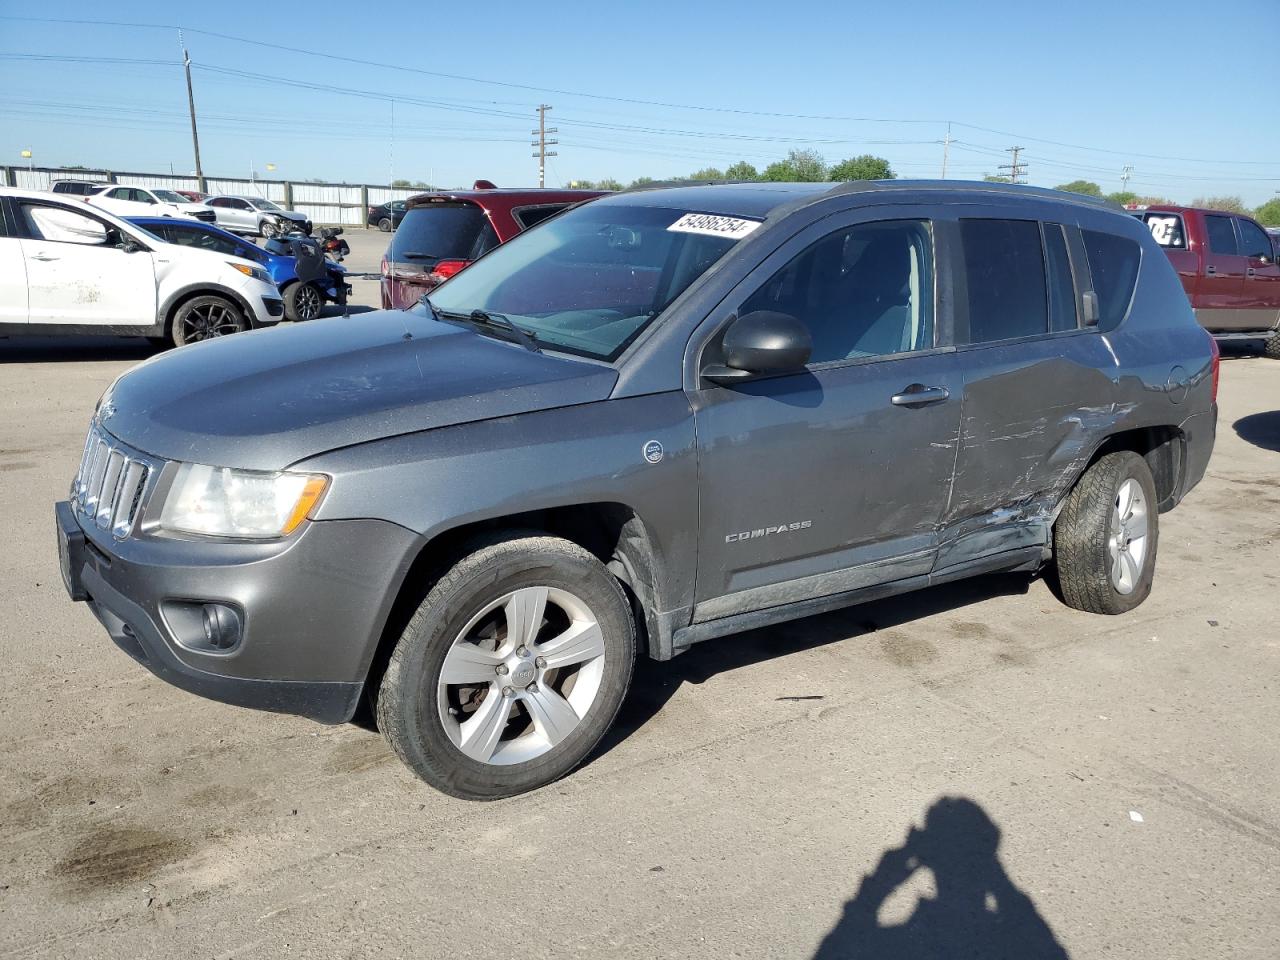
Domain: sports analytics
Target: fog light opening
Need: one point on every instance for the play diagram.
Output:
(221, 626)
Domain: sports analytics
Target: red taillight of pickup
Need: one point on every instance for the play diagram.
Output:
(444, 269)
(1216, 355)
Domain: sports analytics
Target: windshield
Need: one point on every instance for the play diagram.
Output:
(264, 205)
(589, 281)
(168, 196)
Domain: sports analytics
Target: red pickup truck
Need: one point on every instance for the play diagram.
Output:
(1228, 267)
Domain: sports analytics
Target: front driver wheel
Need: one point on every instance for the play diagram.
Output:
(511, 670)
(1106, 536)
(385, 224)
(302, 301)
(205, 318)
(268, 229)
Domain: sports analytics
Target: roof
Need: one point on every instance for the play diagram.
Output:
(761, 198)
(505, 197)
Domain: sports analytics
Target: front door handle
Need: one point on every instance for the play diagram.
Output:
(44, 257)
(917, 395)
(1251, 272)
(1211, 270)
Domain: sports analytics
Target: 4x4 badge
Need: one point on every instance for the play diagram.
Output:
(653, 451)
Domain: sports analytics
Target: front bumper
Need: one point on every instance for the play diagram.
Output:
(312, 606)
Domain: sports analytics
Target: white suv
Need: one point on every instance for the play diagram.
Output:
(68, 268)
(148, 202)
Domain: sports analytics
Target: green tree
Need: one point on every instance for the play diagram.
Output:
(801, 166)
(1229, 204)
(995, 178)
(706, 173)
(400, 182)
(1086, 187)
(642, 181)
(741, 171)
(865, 167)
(1123, 197)
(581, 184)
(1269, 213)
(608, 183)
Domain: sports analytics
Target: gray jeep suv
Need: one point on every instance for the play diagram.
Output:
(660, 417)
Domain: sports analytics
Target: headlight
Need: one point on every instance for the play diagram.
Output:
(256, 272)
(221, 502)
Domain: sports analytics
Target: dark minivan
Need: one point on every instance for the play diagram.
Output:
(661, 417)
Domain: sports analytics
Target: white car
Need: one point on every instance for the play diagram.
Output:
(148, 202)
(69, 268)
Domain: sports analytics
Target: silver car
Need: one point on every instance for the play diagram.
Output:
(254, 215)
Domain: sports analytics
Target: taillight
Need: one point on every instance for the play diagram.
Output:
(444, 269)
(1216, 355)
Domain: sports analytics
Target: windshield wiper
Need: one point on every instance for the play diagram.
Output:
(497, 321)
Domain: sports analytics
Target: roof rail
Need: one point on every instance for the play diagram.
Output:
(984, 186)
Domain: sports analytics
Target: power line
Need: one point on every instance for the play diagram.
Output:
(1016, 169)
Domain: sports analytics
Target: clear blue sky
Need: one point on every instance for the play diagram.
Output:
(1186, 92)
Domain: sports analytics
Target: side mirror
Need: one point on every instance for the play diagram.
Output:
(127, 243)
(760, 343)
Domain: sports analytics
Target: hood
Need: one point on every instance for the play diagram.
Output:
(289, 214)
(269, 398)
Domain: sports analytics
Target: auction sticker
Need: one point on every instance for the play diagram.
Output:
(711, 225)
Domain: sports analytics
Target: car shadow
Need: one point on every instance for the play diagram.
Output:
(655, 683)
(79, 349)
(1260, 429)
(975, 910)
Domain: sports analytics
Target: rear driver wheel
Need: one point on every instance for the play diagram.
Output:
(385, 224)
(511, 670)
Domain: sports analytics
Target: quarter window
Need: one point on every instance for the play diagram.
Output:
(1167, 229)
(1113, 263)
(864, 291)
(1005, 274)
(1253, 241)
(1222, 236)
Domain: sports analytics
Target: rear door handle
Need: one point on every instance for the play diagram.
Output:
(1211, 270)
(917, 395)
(42, 256)
(1250, 272)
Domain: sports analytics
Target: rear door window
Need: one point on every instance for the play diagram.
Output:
(1005, 274)
(1113, 264)
(1222, 235)
(442, 231)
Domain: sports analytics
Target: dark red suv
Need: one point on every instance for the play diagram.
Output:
(443, 232)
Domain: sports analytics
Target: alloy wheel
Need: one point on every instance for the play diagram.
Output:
(521, 676)
(208, 320)
(1127, 545)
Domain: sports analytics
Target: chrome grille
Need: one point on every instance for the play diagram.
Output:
(111, 484)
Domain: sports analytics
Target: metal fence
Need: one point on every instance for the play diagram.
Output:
(345, 204)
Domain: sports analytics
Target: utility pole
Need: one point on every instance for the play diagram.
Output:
(1125, 174)
(542, 143)
(1016, 169)
(191, 105)
(946, 150)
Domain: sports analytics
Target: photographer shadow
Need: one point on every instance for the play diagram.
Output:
(977, 911)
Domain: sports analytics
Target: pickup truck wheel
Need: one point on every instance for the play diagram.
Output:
(385, 224)
(510, 671)
(1106, 536)
(1272, 348)
(204, 318)
(302, 301)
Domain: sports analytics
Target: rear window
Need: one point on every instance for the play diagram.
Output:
(1167, 229)
(1004, 268)
(1113, 262)
(79, 188)
(442, 231)
(1222, 236)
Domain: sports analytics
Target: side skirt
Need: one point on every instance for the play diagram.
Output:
(1025, 558)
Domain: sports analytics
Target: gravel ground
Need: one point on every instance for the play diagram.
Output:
(1060, 781)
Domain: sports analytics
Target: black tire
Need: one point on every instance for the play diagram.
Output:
(1272, 347)
(206, 318)
(408, 704)
(302, 301)
(385, 224)
(1085, 532)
